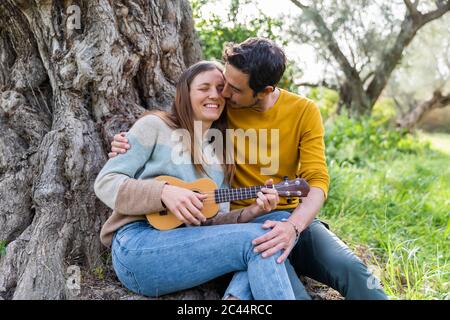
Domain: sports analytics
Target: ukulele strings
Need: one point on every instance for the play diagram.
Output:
(239, 191)
(214, 201)
(236, 192)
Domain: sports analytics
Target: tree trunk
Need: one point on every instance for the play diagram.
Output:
(354, 98)
(72, 74)
(412, 118)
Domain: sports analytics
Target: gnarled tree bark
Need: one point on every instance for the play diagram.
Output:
(68, 83)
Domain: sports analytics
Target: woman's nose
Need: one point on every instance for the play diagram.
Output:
(215, 94)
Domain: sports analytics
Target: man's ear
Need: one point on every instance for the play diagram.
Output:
(265, 92)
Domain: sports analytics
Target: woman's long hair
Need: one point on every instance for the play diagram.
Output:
(182, 116)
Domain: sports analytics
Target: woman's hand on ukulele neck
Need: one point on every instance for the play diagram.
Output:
(184, 204)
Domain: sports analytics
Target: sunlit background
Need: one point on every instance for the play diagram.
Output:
(388, 154)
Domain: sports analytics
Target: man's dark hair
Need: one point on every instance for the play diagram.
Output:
(261, 59)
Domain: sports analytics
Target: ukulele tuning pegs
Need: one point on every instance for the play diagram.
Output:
(285, 178)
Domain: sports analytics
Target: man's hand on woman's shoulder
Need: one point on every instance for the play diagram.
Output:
(119, 145)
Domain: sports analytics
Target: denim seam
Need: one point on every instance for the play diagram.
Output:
(280, 287)
(129, 271)
(279, 279)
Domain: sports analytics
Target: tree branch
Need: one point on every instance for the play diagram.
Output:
(392, 56)
(412, 7)
(413, 117)
(319, 84)
(299, 4)
(327, 36)
(442, 9)
(367, 77)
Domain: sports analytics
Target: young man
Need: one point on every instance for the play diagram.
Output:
(255, 103)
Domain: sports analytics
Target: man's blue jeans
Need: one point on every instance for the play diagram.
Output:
(153, 263)
(319, 255)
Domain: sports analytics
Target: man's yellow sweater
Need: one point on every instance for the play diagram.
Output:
(299, 147)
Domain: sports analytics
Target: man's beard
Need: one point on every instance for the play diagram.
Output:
(234, 105)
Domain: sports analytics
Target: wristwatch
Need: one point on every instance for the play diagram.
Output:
(297, 232)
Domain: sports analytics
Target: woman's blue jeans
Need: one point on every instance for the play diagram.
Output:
(320, 255)
(154, 263)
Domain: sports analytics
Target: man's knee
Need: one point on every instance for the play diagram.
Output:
(349, 264)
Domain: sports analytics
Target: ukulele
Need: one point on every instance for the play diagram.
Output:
(166, 220)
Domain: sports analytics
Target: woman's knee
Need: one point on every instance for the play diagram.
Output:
(244, 234)
(249, 230)
(274, 216)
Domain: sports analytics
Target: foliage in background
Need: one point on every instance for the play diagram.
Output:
(389, 193)
(389, 190)
(214, 32)
(326, 99)
(417, 77)
(359, 142)
(361, 37)
(2, 248)
(363, 42)
(385, 110)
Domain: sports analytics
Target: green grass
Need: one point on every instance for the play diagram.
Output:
(399, 208)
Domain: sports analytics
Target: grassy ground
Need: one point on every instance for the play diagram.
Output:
(439, 141)
(399, 208)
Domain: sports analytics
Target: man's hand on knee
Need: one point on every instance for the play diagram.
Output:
(281, 237)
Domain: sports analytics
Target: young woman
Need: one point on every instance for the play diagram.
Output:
(153, 262)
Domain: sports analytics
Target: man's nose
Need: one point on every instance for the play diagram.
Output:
(226, 91)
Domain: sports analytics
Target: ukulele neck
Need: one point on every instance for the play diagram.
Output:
(227, 195)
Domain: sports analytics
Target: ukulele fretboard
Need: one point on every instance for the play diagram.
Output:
(227, 195)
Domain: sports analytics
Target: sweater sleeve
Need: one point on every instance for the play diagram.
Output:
(116, 185)
(313, 167)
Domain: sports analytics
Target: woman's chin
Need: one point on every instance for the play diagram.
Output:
(210, 118)
(212, 115)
